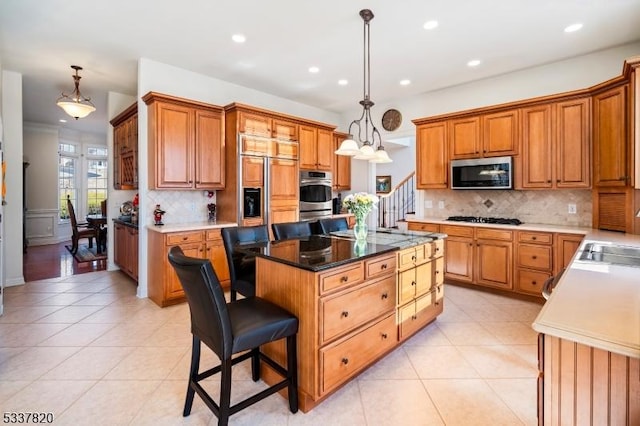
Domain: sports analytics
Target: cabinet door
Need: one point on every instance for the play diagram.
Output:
(209, 150)
(566, 246)
(119, 245)
(216, 254)
(341, 167)
(282, 129)
(254, 124)
(432, 161)
(284, 214)
(464, 138)
(173, 288)
(494, 263)
(459, 258)
(132, 248)
(174, 146)
(536, 158)
(610, 134)
(500, 134)
(284, 180)
(324, 150)
(308, 147)
(573, 144)
(252, 172)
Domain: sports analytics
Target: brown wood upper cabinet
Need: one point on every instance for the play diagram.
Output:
(125, 148)
(257, 124)
(316, 148)
(431, 155)
(487, 135)
(556, 146)
(186, 143)
(341, 165)
(610, 138)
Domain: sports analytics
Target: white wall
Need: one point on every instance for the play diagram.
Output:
(12, 147)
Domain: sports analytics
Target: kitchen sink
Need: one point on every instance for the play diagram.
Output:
(613, 254)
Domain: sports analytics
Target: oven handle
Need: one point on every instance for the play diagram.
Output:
(315, 182)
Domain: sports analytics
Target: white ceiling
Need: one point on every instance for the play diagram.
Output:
(41, 39)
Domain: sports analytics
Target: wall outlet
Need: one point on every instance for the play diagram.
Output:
(441, 204)
(572, 209)
(428, 204)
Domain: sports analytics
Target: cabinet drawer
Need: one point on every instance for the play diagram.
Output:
(531, 282)
(214, 234)
(343, 277)
(537, 257)
(344, 359)
(380, 265)
(259, 147)
(457, 231)
(349, 310)
(412, 256)
(184, 237)
(415, 315)
(285, 149)
(437, 249)
(535, 237)
(493, 234)
(425, 227)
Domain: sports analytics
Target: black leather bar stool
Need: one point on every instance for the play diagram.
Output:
(333, 224)
(228, 329)
(242, 267)
(282, 231)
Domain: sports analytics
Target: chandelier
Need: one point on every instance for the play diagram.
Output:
(349, 146)
(76, 105)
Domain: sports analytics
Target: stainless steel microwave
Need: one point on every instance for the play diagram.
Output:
(482, 173)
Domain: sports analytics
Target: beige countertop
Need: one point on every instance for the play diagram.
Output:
(524, 227)
(190, 226)
(596, 304)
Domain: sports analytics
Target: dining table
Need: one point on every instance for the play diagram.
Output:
(99, 222)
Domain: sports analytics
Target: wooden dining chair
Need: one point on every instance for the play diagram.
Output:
(79, 230)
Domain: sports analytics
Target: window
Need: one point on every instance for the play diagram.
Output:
(96, 178)
(85, 194)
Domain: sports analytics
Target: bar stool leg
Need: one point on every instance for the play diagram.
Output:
(193, 373)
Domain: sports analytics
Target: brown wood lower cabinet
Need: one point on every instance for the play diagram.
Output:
(583, 385)
(164, 286)
(125, 249)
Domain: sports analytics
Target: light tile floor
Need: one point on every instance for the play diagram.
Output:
(88, 350)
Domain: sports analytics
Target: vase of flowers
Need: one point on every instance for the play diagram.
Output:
(360, 204)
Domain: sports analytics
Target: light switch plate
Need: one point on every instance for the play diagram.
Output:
(572, 209)
(441, 204)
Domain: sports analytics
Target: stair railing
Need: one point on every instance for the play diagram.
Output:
(400, 201)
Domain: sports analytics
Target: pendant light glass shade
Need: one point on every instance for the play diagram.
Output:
(348, 147)
(367, 132)
(76, 105)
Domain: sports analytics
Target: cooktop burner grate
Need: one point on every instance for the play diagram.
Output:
(478, 219)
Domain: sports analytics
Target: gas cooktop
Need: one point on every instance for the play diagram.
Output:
(479, 219)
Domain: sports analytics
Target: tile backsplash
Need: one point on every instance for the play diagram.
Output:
(180, 206)
(548, 207)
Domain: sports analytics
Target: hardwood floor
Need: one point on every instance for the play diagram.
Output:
(54, 260)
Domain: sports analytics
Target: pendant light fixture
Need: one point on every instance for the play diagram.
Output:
(76, 105)
(350, 147)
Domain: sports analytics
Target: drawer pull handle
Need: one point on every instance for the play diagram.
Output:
(437, 272)
(437, 303)
(413, 258)
(344, 314)
(533, 283)
(344, 279)
(413, 283)
(384, 335)
(534, 257)
(534, 238)
(185, 238)
(383, 266)
(414, 317)
(345, 361)
(385, 295)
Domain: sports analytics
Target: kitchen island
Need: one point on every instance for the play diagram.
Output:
(355, 302)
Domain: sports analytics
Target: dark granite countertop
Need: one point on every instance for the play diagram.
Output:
(320, 252)
(126, 223)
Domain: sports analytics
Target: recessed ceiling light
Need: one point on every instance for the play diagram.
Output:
(62, 120)
(238, 38)
(429, 25)
(473, 63)
(343, 82)
(405, 82)
(573, 27)
(314, 70)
